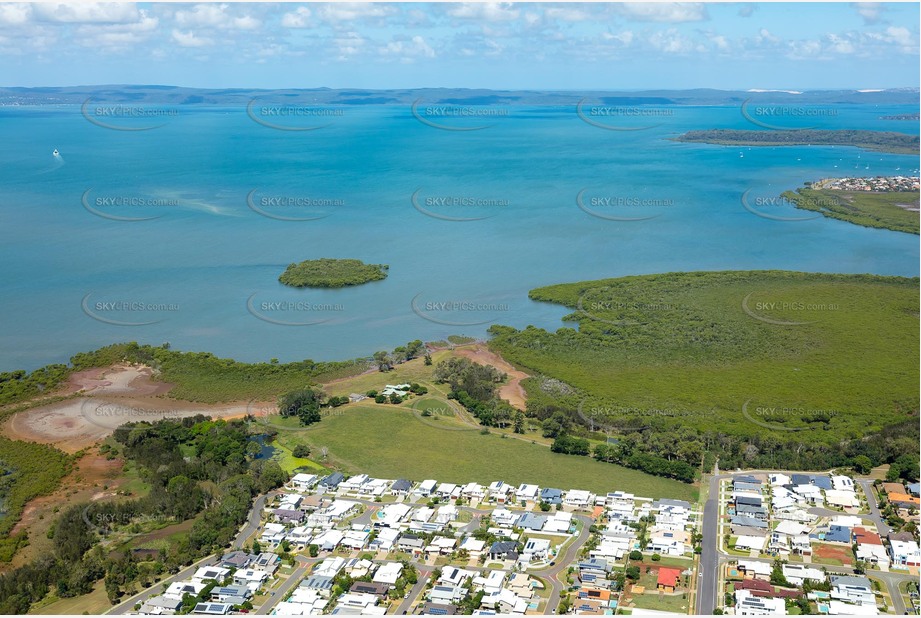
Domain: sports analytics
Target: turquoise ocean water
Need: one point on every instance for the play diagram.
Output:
(203, 275)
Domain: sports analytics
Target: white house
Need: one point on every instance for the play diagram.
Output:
(388, 573)
(304, 481)
(905, 553)
(504, 518)
(426, 487)
(527, 493)
(852, 589)
(578, 498)
(535, 550)
(747, 604)
(796, 574)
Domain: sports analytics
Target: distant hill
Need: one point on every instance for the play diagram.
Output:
(174, 95)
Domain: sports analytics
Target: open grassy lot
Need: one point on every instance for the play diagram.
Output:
(391, 442)
(866, 208)
(831, 357)
(94, 603)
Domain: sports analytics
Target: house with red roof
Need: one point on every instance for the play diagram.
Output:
(668, 579)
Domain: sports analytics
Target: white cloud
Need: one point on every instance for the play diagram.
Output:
(566, 14)
(671, 42)
(15, 14)
(298, 19)
(665, 12)
(352, 11)
(485, 11)
(625, 37)
(840, 44)
(86, 12)
(217, 16)
(117, 36)
(190, 39)
(870, 11)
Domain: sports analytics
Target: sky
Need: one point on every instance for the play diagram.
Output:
(557, 46)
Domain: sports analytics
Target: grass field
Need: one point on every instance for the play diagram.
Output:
(391, 442)
(94, 603)
(736, 352)
(866, 208)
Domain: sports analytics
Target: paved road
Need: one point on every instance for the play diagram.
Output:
(251, 526)
(875, 515)
(562, 563)
(709, 556)
(290, 583)
(416, 590)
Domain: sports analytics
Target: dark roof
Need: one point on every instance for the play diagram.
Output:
(914, 488)
(658, 504)
(748, 508)
(747, 478)
(841, 534)
(240, 591)
(239, 559)
(800, 479)
(551, 495)
(599, 564)
(748, 500)
(378, 588)
(317, 582)
(822, 482)
(333, 479)
(503, 547)
(439, 609)
(750, 522)
(401, 485)
(532, 521)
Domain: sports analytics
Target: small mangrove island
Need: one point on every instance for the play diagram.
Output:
(879, 141)
(331, 273)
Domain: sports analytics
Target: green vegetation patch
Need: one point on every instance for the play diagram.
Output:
(28, 470)
(867, 208)
(393, 443)
(880, 141)
(331, 273)
(761, 367)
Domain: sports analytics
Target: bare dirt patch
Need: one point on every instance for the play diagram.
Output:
(512, 391)
(116, 380)
(94, 478)
(106, 398)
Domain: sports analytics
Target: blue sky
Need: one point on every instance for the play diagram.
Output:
(489, 45)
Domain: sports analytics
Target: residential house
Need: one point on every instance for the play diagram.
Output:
(668, 579)
(331, 482)
(852, 589)
(503, 550)
(401, 487)
(904, 553)
(748, 604)
(388, 573)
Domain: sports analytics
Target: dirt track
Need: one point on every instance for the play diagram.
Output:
(512, 391)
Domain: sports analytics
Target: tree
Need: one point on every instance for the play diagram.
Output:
(633, 573)
(304, 404)
(428, 359)
(313, 550)
(301, 451)
(383, 361)
(862, 464)
(636, 555)
(518, 422)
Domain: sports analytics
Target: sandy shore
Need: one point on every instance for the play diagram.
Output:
(106, 399)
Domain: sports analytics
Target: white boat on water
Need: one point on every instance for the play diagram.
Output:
(56, 153)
